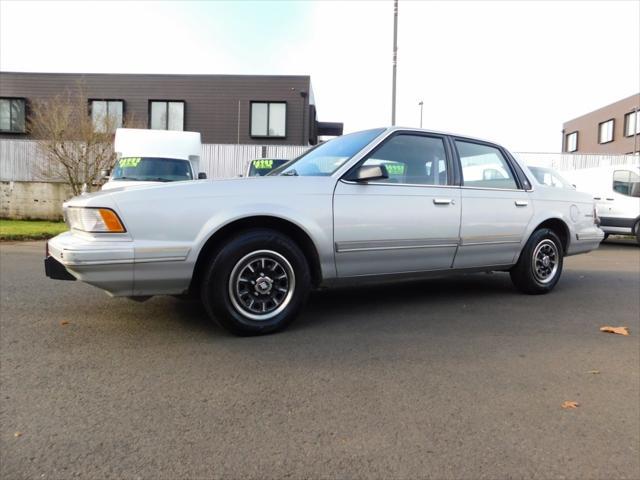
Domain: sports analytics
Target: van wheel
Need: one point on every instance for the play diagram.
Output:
(540, 263)
(637, 230)
(257, 283)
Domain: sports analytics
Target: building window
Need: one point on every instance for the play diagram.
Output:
(269, 119)
(13, 115)
(605, 131)
(166, 114)
(106, 115)
(572, 142)
(631, 124)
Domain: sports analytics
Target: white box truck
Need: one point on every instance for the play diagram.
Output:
(154, 156)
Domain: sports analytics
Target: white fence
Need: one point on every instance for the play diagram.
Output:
(225, 161)
(22, 160)
(575, 161)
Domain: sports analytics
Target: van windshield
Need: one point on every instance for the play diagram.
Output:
(152, 169)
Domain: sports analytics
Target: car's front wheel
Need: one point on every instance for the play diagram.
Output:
(257, 283)
(540, 263)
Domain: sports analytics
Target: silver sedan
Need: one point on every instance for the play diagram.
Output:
(378, 204)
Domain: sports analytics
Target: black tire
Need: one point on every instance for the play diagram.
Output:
(637, 230)
(539, 277)
(606, 235)
(235, 299)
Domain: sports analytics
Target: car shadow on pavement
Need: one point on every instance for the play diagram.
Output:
(415, 303)
(385, 302)
(355, 303)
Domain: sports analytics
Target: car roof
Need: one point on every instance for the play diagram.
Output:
(438, 132)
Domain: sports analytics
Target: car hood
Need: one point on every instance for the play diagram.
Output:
(113, 184)
(267, 188)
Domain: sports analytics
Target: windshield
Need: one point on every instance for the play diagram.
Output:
(152, 169)
(327, 157)
(549, 177)
(263, 166)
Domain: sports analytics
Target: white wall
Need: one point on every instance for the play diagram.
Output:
(33, 200)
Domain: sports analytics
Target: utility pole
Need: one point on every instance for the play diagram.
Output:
(635, 131)
(421, 103)
(395, 62)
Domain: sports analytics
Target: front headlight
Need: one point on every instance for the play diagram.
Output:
(94, 220)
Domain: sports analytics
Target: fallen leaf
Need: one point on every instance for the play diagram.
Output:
(594, 372)
(619, 330)
(17, 434)
(64, 322)
(570, 404)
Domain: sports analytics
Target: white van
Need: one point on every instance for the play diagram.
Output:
(154, 156)
(616, 191)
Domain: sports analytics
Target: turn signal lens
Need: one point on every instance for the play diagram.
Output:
(111, 220)
(94, 220)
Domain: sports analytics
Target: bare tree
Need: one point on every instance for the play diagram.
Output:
(77, 143)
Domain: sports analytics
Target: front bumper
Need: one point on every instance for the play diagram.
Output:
(106, 265)
(121, 266)
(55, 270)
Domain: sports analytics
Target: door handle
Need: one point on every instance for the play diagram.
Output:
(610, 199)
(597, 198)
(442, 201)
(521, 203)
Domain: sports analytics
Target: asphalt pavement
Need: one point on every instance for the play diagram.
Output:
(459, 378)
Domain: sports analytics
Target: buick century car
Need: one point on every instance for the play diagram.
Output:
(378, 204)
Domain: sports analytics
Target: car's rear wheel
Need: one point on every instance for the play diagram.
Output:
(257, 283)
(540, 264)
(637, 230)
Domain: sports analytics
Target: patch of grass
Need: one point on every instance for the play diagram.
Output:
(29, 229)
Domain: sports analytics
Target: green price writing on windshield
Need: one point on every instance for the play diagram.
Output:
(263, 164)
(129, 162)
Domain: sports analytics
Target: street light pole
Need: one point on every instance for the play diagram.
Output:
(421, 103)
(395, 62)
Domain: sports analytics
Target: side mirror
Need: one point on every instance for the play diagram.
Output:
(202, 176)
(366, 173)
(105, 173)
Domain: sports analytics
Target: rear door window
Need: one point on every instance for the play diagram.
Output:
(484, 166)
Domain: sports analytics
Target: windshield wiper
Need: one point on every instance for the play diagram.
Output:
(126, 178)
(290, 173)
(160, 179)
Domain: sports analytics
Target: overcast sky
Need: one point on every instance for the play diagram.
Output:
(507, 71)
